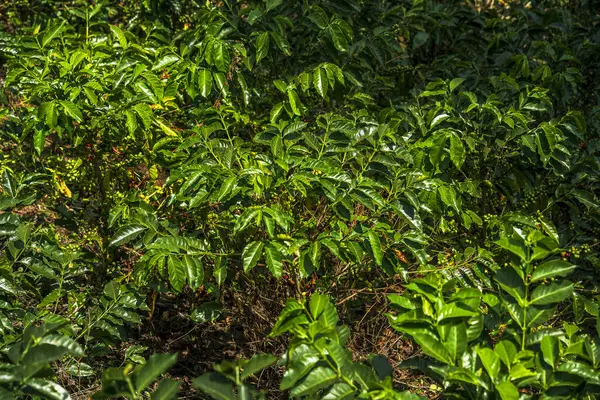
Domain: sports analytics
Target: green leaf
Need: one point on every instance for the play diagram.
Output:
(514, 246)
(147, 373)
(244, 220)
(455, 310)
(221, 81)
(339, 38)
(166, 60)
(438, 119)
(375, 244)
(552, 293)
(262, 46)
(206, 312)
(91, 95)
(430, 344)
(319, 17)
(437, 149)
(490, 361)
(340, 391)
(244, 86)
(506, 350)
(131, 121)
(456, 82)
(320, 81)
(39, 141)
(50, 114)
(409, 212)
(419, 39)
(457, 151)
(586, 198)
(215, 385)
(52, 32)
(448, 196)
(318, 304)
(549, 228)
(244, 392)
(507, 391)
(456, 341)
(167, 390)
(257, 363)
(294, 101)
(318, 378)
(126, 234)
(512, 283)
(550, 349)
(80, 370)
(177, 273)
(204, 78)
(112, 290)
(274, 260)
(194, 271)
(43, 353)
(145, 90)
(271, 4)
(582, 370)
(281, 42)
(303, 359)
(72, 110)
(68, 345)
(47, 389)
(552, 269)
(251, 255)
(226, 187)
(119, 34)
(145, 113)
(12, 76)
(220, 270)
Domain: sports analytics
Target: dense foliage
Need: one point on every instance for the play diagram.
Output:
(173, 154)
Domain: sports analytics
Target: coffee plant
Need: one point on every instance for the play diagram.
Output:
(177, 173)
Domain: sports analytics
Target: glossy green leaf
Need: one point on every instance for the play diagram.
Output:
(274, 259)
(206, 312)
(507, 391)
(339, 38)
(119, 35)
(257, 363)
(52, 32)
(215, 385)
(47, 389)
(376, 249)
(457, 151)
(281, 42)
(340, 391)
(430, 344)
(251, 254)
(318, 378)
(456, 340)
(552, 269)
(320, 81)
(552, 293)
(194, 271)
(126, 234)
(294, 102)
(166, 390)
(147, 373)
(262, 46)
(204, 78)
(550, 349)
(165, 61)
(177, 273)
(490, 361)
(72, 110)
